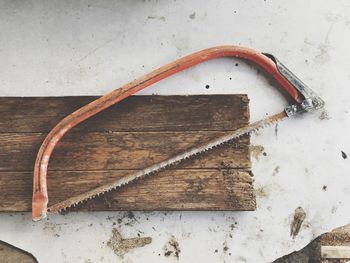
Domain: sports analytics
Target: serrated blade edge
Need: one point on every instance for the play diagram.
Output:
(73, 201)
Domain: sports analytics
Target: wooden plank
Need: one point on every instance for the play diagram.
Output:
(338, 237)
(138, 132)
(11, 254)
(182, 189)
(101, 150)
(137, 113)
(331, 247)
(339, 252)
(335, 245)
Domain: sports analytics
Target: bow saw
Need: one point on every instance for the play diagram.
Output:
(304, 100)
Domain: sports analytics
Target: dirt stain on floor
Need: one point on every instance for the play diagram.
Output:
(298, 219)
(262, 192)
(172, 248)
(256, 151)
(127, 219)
(225, 247)
(344, 155)
(324, 115)
(192, 16)
(53, 228)
(276, 171)
(121, 245)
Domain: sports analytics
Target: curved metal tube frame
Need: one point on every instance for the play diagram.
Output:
(40, 195)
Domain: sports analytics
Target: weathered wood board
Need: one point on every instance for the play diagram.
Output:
(335, 245)
(133, 134)
(331, 247)
(12, 254)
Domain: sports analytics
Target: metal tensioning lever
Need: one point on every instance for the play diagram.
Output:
(310, 101)
(304, 99)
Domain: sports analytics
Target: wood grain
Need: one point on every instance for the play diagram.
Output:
(131, 135)
(330, 247)
(137, 113)
(11, 254)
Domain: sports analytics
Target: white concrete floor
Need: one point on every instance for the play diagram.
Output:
(55, 48)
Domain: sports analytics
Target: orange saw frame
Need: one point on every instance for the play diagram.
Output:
(265, 61)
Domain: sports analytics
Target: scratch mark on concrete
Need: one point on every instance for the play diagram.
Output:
(93, 51)
(324, 47)
(276, 130)
(162, 18)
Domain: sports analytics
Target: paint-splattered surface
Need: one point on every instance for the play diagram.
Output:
(89, 47)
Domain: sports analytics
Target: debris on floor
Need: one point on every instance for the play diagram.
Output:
(172, 248)
(121, 245)
(10, 254)
(276, 170)
(343, 154)
(324, 115)
(299, 216)
(256, 151)
(261, 192)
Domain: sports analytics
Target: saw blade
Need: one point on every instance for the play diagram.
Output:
(73, 201)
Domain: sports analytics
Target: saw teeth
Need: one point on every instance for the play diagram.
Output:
(194, 152)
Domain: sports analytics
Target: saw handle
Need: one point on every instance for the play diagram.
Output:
(40, 195)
